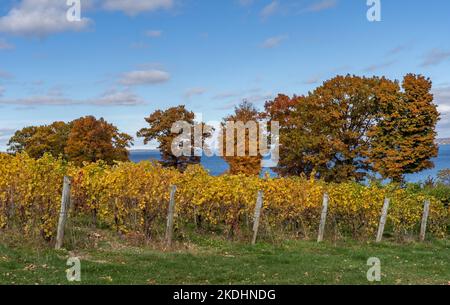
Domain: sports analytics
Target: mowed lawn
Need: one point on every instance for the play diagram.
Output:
(217, 261)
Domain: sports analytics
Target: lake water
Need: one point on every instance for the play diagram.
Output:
(217, 165)
(441, 162)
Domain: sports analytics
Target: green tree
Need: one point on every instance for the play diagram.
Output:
(38, 140)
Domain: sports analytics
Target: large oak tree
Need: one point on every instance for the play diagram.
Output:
(160, 130)
(351, 125)
(38, 140)
(92, 139)
(325, 132)
(85, 139)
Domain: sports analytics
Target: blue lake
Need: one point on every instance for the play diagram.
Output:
(441, 162)
(217, 165)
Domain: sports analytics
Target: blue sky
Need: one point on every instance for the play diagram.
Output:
(127, 58)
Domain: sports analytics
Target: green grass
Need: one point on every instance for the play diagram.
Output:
(216, 261)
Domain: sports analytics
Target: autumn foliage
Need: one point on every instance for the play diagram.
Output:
(133, 198)
(244, 114)
(38, 140)
(352, 125)
(160, 130)
(403, 141)
(330, 140)
(91, 140)
(86, 139)
(344, 130)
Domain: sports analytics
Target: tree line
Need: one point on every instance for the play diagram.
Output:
(343, 130)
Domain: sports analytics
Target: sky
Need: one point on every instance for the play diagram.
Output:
(124, 59)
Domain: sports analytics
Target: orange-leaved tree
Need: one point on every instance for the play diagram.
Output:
(352, 125)
(91, 140)
(403, 141)
(243, 151)
(325, 132)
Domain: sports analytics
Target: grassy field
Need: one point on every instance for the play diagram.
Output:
(216, 261)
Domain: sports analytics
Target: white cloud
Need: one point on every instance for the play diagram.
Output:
(5, 135)
(377, 67)
(322, 5)
(2, 91)
(193, 92)
(144, 77)
(400, 48)
(435, 57)
(227, 95)
(252, 98)
(153, 33)
(140, 45)
(5, 75)
(442, 98)
(40, 18)
(313, 79)
(6, 131)
(134, 7)
(118, 98)
(245, 2)
(259, 98)
(4, 45)
(273, 42)
(270, 9)
(444, 109)
(108, 98)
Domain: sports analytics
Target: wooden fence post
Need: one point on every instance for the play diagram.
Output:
(323, 218)
(11, 211)
(169, 228)
(383, 219)
(259, 204)
(65, 204)
(423, 227)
